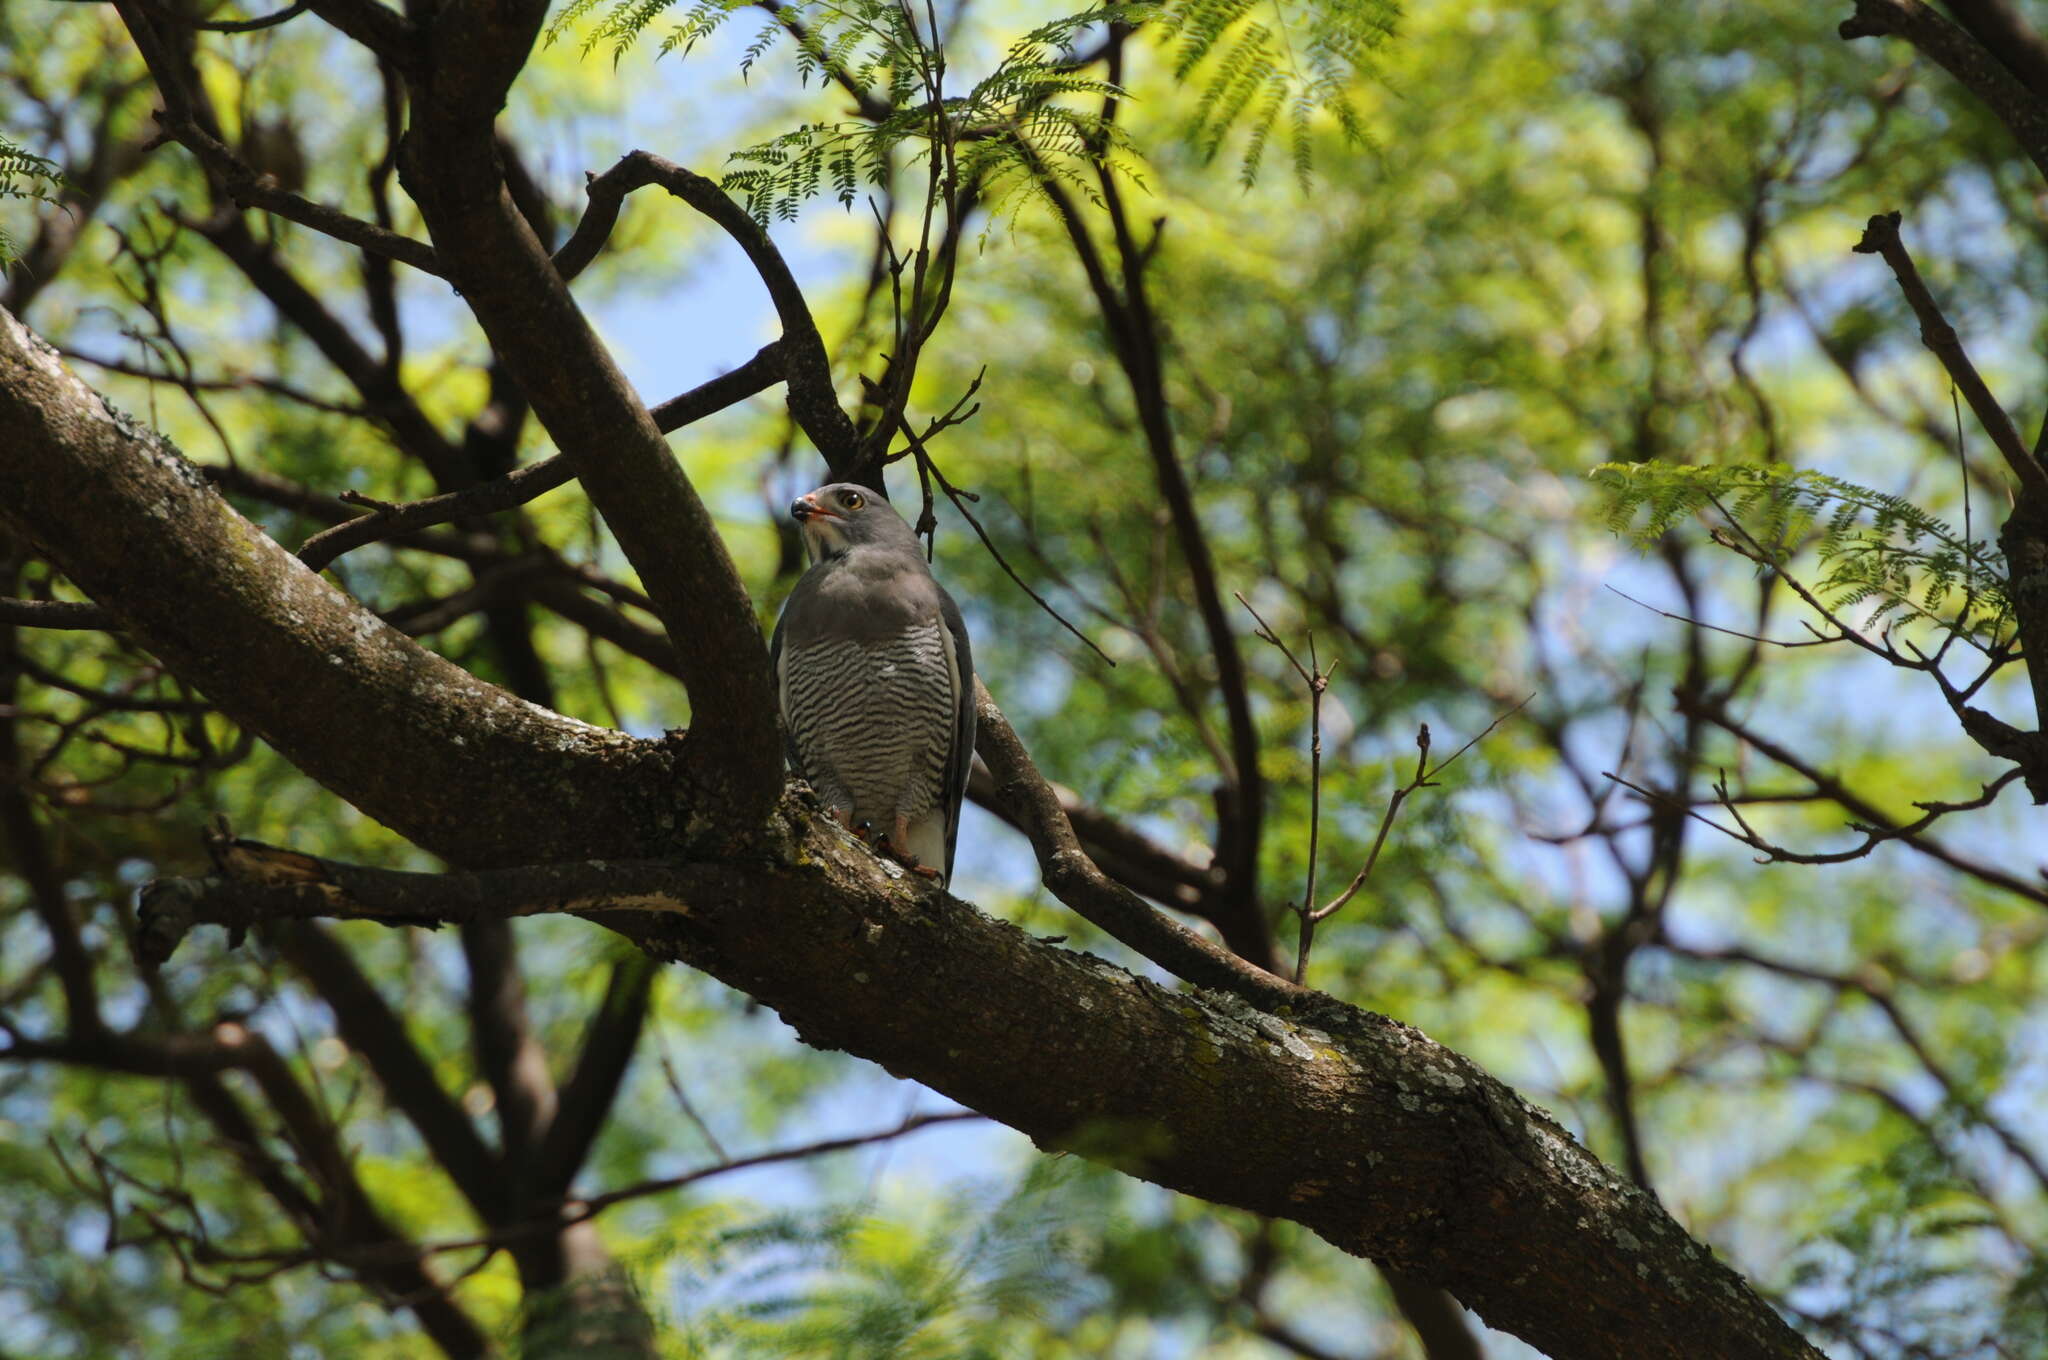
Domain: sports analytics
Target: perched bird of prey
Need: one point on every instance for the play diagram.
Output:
(875, 678)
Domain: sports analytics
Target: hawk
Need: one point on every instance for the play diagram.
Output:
(875, 679)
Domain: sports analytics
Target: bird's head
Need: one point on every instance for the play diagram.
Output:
(842, 516)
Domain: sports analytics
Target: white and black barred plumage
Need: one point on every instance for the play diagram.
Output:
(876, 678)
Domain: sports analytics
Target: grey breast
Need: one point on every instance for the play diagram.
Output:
(872, 719)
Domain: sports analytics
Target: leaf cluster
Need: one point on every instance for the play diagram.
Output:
(1875, 549)
(1296, 58)
(1038, 119)
(981, 1268)
(1898, 1269)
(23, 174)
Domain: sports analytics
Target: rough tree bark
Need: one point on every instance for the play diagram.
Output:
(1250, 1093)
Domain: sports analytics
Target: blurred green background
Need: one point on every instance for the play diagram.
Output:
(1570, 235)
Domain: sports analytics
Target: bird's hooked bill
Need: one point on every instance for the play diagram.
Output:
(806, 505)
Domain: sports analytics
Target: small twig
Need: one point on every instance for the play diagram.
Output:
(1962, 619)
(1819, 640)
(1317, 680)
(960, 499)
(368, 502)
(1425, 777)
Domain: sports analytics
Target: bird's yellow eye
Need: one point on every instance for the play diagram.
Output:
(853, 500)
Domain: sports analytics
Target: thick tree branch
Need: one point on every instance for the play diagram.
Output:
(2022, 111)
(2008, 37)
(1358, 1127)
(378, 27)
(483, 777)
(450, 165)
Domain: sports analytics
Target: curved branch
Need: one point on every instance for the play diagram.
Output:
(1881, 238)
(812, 402)
(1360, 1128)
(378, 27)
(2024, 113)
(252, 189)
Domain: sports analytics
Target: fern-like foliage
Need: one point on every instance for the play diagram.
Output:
(1874, 551)
(966, 1283)
(1037, 118)
(1013, 129)
(1262, 60)
(23, 174)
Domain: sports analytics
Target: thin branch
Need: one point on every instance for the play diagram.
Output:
(756, 375)
(1423, 778)
(246, 186)
(1867, 818)
(1881, 237)
(812, 401)
(960, 499)
(387, 521)
(1070, 875)
(369, 1025)
(55, 614)
(587, 1097)
(284, 15)
(1822, 641)
(2007, 36)
(1317, 680)
(571, 1212)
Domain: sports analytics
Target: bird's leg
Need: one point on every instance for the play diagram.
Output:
(844, 816)
(898, 846)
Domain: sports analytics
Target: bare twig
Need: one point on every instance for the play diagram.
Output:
(528, 483)
(1425, 777)
(960, 499)
(1317, 681)
(1881, 237)
(54, 614)
(1822, 641)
